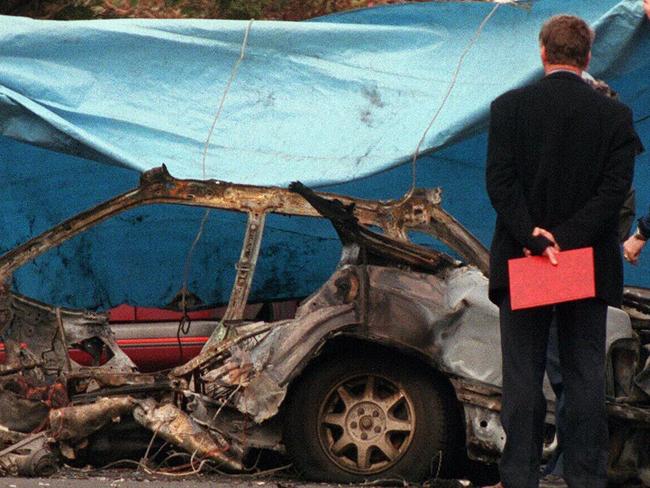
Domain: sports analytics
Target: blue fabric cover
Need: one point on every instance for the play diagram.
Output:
(339, 103)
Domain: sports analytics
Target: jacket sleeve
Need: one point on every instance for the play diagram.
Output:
(503, 186)
(626, 215)
(644, 225)
(585, 226)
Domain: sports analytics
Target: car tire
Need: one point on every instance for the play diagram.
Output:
(362, 417)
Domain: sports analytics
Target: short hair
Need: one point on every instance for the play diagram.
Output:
(567, 40)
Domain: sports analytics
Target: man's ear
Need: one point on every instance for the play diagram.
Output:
(542, 53)
(588, 61)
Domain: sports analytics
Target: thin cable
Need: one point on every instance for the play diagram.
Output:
(188, 259)
(145, 458)
(233, 74)
(163, 463)
(214, 417)
(119, 462)
(446, 97)
(160, 449)
(192, 472)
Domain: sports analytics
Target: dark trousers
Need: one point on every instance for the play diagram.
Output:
(581, 339)
(555, 465)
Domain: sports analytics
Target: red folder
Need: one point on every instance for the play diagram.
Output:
(534, 281)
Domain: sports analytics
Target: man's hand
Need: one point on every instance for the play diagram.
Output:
(538, 231)
(551, 251)
(633, 246)
(646, 7)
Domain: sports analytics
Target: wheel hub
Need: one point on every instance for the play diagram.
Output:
(366, 420)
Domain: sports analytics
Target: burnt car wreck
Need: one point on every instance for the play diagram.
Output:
(391, 369)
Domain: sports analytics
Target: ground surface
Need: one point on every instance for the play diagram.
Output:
(132, 479)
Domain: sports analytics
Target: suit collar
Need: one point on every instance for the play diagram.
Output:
(564, 75)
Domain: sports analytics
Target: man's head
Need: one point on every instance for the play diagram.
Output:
(566, 40)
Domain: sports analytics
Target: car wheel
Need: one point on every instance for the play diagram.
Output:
(360, 417)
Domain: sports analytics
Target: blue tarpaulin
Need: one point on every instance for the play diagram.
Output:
(339, 103)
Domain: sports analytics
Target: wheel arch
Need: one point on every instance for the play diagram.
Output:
(344, 345)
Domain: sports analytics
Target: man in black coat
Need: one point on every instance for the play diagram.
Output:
(560, 163)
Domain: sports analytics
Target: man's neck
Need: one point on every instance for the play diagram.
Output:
(550, 68)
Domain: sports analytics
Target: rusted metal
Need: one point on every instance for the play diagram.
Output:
(406, 298)
(8, 436)
(446, 228)
(349, 229)
(210, 353)
(490, 403)
(78, 422)
(20, 414)
(474, 387)
(31, 456)
(59, 323)
(245, 267)
(16, 360)
(176, 427)
(235, 371)
(89, 385)
(484, 434)
(104, 377)
(158, 186)
(6, 299)
(488, 397)
(275, 366)
(38, 337)
(26, 399)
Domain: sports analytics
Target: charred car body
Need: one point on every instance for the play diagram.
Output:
(390, 369)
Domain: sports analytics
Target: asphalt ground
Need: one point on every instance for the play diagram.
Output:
(127, 479)
(131, 478)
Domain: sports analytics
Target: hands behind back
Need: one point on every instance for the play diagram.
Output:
(551, 251)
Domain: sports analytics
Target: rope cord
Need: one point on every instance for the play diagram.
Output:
(233, 74)
(450, 88)
(188, 259)
(204, 155)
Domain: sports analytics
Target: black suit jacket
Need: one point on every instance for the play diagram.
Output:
(560, 157)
